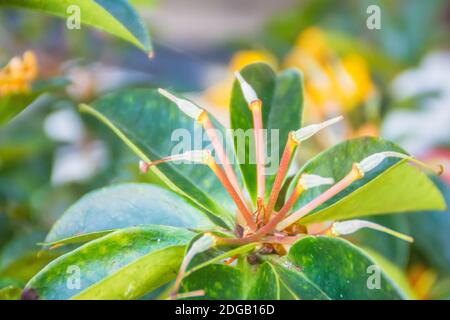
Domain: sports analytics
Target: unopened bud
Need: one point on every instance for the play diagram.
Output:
(143, 166)
(351, 226)
(372, 161)
(308, 131)
(308, 181)
(190, 109)
(194, 156)
(249, 93)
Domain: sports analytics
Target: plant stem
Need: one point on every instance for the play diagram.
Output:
(283, 239)
(242, 208)
(221, 154)
(267, 227)
(352, 176)
(255, 107)
(281, 174)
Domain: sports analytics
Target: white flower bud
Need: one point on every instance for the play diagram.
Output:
(202, 244)
(372, 161)
(308, 131)
(351, 226)
(190, 109)
(308, 181)
(247, 90)
(143, 166)
(194, 156)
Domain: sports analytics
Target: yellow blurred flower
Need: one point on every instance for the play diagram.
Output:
(422, 280)
(219, 95)
(17, 75)
(333, 84)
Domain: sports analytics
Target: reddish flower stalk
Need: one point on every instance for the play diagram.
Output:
(201, 116)
(268, 227)
(281, 174)
(255, 106)
(352, 176)
(221, 154)
(305, 182)
(294, 139)
(205, 157)
(242, 208)
(282, 239)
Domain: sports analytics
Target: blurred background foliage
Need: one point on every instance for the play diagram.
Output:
(392, 82)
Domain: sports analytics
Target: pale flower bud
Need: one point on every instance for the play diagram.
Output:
(190, 109)
(308, 181)
(143, 166)
(193, 156)
(308, 131)
(247, 90)
(351, 226)
(372, 161)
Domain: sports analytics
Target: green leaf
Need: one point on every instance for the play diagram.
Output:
(319, 268)
(394, 186)
(125, 264)
(296, 286)
(225, 282)
(20, 258)
(10, 293)
(217, 280)
(282, 97)
(395, 273)
(153, 128)
(216, 254)
(430, 231)
(339, 269)
(393, 249)
(115, 17)
(266, 285)
(12, 105)
(121, 206)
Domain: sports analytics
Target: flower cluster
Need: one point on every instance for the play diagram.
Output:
(17, 76)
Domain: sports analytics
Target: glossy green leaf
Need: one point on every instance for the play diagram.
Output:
(125, 264)
(340, 270)
(431, 234)
(12, 105)
(77, 239)
(217, 254)
(395, 250)
(266, 285)
(316, 268)
(394, 272)
(296, 286)
(226, 282)
(115, 17)
(121, 206)
(153, 128)
(394, 186)
(282, 97)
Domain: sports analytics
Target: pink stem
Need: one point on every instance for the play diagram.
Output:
(282, 239)
(267, 227)
(222, 155)
(242, 208)
(259, 144)
(282, 170)
(353, 175)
